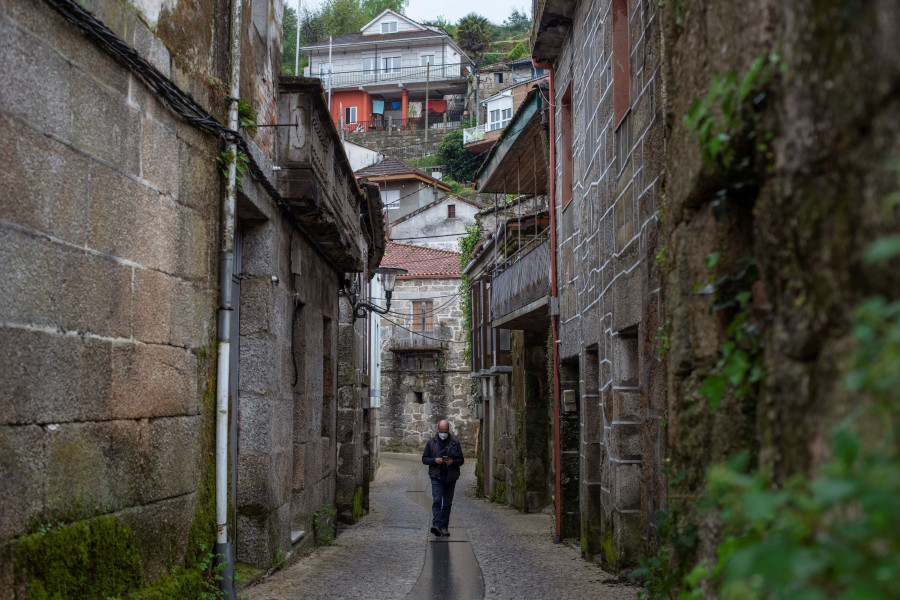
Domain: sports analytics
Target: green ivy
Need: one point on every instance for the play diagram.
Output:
(241, 161)
(466, 246)
(729, 115)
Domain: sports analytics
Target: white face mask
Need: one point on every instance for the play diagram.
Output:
(443, 436)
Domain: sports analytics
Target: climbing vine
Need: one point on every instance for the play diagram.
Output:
(466, 246)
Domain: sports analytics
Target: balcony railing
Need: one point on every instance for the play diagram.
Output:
(474, 134)
(444, 72)
(404, 339)
(525, 278)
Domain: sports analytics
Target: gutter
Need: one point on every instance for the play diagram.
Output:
(224, 550)
(554, 318)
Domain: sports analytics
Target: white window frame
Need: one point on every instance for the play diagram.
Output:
(505, 116)
(424, 56)
(494, 119)
(349, 115)
(396, 62)
(372, 66)
(391, 27)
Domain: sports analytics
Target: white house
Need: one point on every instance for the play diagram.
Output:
(382, 75)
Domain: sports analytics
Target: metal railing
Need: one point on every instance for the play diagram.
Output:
(436, 121)
(340, 79)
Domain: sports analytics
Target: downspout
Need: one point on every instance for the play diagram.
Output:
(554, 318)
(223, 548)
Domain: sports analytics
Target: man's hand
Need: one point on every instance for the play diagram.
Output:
(448, 460)
(439, 461)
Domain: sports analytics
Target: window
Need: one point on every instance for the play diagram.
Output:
(419, 397)
(507, 115)
(349, 114)
(391, 199)
(494, 120)
(498, 77)
(370, 65)
(389, 27)
(451, 211)
(423, 317)
(426, 59)
(621, 61)
(392, 64)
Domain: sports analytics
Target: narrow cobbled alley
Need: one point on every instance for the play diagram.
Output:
(493, 551)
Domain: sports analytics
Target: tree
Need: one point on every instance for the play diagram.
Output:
(442, 22)
(373, 8)
(473, 35)
(340, 17)
(289, 41)
(518, 20)
(517, 52)
(459, 163)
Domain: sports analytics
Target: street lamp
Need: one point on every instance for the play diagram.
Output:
(388, 280)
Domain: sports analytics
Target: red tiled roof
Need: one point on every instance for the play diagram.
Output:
(420, 261)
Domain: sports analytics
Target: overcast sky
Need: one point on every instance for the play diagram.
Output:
(496, 11)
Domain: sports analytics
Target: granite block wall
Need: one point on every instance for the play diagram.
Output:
(609, 281)
(406, 422)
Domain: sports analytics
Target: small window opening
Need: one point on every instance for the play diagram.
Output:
(419, 397)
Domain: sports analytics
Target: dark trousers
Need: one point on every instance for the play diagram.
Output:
(442, 494)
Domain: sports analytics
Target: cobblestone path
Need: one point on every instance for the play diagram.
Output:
(382, 556)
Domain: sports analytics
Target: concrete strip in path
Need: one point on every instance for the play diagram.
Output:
(451, 569)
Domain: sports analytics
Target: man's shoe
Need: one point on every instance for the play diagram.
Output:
(445, 531)
(435, 531)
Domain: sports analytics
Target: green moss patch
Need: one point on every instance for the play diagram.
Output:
(98, 559)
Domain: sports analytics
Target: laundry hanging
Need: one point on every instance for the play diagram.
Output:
(415, 109)
(378, 107)
(395, 105)
(438, 106)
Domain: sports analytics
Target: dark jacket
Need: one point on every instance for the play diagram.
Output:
(448, 448)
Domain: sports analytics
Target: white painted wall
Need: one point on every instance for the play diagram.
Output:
(433, 228)
(402, 24)
(360, 156)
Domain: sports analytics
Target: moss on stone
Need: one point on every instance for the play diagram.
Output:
(358, 510)
(96, 559)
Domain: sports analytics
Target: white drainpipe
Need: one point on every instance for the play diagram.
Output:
(226, 266)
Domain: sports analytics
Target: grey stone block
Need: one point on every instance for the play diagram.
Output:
(160, 531)
(256, 422)
(22, 465)
(104, 125)
(50, 182)
(151, 380)
(36, 82)
(627, 488)
(57, 286)
(46, 377)
(170, 468)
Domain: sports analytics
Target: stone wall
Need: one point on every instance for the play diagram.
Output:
(354, 418)
(521, 412)
(805, 216)
(108, 245)
(608, 279)
(406, 424)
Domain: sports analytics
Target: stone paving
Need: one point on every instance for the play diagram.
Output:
(382, 556)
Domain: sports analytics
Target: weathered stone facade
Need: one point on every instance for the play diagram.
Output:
(804, 218)
(110, 229)
(416, 395)
(609, 163)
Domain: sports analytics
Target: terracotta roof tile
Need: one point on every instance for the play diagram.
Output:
(421, 261)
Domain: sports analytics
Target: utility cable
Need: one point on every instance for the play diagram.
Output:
(428, 337)
(178, 101)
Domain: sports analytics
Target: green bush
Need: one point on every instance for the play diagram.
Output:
(459, 163)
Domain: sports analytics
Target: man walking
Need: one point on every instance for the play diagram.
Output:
(444, 457)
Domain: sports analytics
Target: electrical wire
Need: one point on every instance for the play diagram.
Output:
(178, 101)
(428, 337)
(421, 313)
